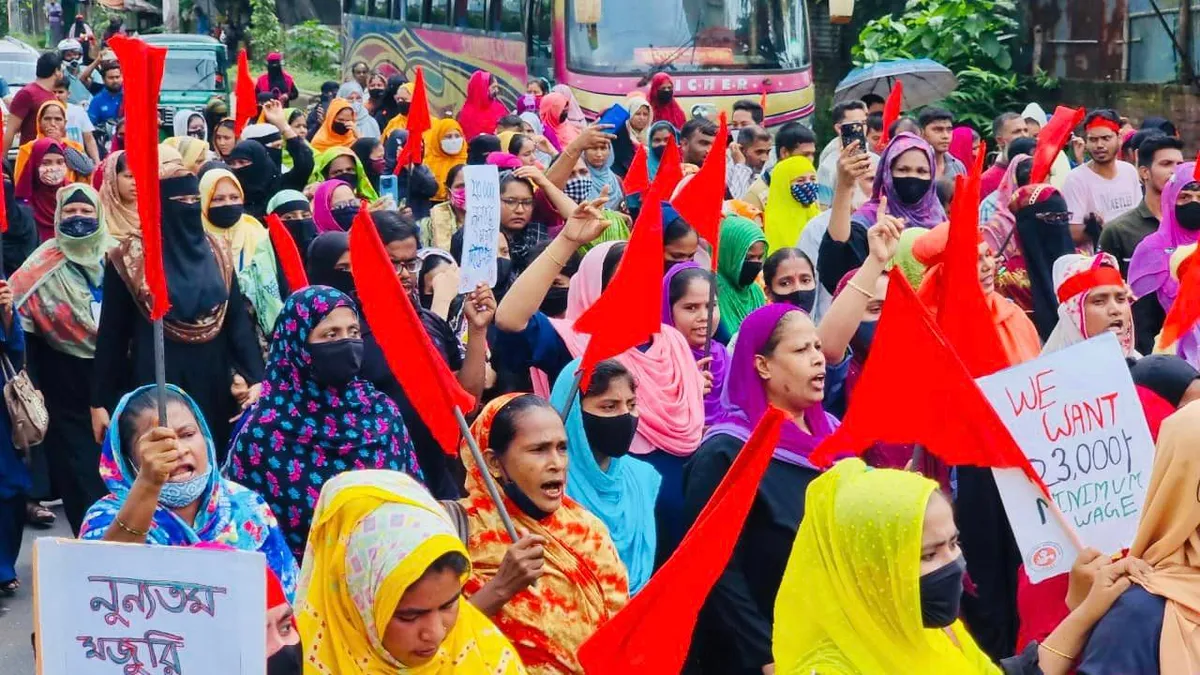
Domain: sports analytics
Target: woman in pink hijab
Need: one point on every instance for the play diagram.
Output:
(481, 111)
(962, 145)
(555, 111)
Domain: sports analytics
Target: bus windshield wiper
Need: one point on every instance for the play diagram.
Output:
(668, 61)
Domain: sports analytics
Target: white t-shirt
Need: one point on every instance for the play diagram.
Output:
(78, 123)
(1088, 192)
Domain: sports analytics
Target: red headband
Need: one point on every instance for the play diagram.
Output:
(1104, 123)
(1086, 281)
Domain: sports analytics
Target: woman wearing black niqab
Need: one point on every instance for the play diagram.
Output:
(363, 148)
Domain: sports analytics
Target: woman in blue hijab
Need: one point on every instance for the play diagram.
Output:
(618, 489)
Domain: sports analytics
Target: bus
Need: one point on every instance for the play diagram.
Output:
(716, 51)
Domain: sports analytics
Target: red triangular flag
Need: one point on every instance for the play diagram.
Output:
(287, 254)
(247, 97)
(3, 200)
(1185, 311)
(413, 151)
(637, 179)
(700, 201)
(420, 370)
(651, 634)
(891, 112)
(625, 315)
(963, 314)
(1051, 141)
(142, 66)
(762, 103)
(1195, 171)
(961, 429)
(670, 171)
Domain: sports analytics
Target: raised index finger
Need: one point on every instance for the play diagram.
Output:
(882, 205)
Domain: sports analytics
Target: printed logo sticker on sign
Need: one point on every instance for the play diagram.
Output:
(115, 609)
(481, 227)
(1077, 417)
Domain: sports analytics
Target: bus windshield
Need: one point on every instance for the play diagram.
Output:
(635, 36)
(189, 71)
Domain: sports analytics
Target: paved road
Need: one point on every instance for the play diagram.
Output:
(16, 613)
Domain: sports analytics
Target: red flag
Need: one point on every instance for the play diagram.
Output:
(3, 201)
(700, 201)
(1051, 141)
(142, 66)
(287, 253)
(247, 97)
(891, 112)
(762, 102)
(626, 315)
(1185, 311)
(670, 171)
(421, 371)
(418, 123)
(943, 409)
(651, 634)
(637, 179)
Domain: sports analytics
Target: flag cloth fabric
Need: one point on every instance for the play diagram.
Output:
(247, 98)
(943, 409)
(1051, 141)
(891, 111)
(413, 151)
(420, 370)
(142, 66)
(3, 201)
(1185, 311)
(637, 179)
(287, 253)
(701, 199)
(651, 635)
(625, 315)
(670, 170)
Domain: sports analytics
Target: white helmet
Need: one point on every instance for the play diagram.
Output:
(70, 45)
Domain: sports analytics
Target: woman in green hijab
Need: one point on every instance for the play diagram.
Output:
(739, 263)
(342, 163)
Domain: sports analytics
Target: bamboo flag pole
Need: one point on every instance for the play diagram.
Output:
(493, 491)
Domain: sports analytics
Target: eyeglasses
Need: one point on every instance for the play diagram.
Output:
(411, 266)
(518, 203)
(1055, 218)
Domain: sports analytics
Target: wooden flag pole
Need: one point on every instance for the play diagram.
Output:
(160, 372)
(571, 395)
(487, 476)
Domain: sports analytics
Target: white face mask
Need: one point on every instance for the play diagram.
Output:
(452, 146)
(52, 176)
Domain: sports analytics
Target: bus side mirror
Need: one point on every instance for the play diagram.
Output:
(587, 12)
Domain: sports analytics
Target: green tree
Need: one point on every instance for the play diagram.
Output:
(266, 34)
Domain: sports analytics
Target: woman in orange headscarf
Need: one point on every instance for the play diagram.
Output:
(445, 148)
(52, 123)
(583, 583)
(338, 128)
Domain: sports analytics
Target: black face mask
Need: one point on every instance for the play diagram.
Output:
(276, 155)
(198, 135)
(377, 93)
(188, 215)
(341, 280)
(78, 226)
(1188, 216)
(555, 302)
(610, 435)
(805, 300)
(664, 95)
(523, 501)
(289, 660)
(941, 592)
(750, 271)
(345, 216)
(226, 216)
(864, 335)
(350, 179)
(402, 107)
(340, 128)
(911, 190)
(658, 151)
(334, 364)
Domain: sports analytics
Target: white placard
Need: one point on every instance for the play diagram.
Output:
(108, 609)
(1077, 417)
(481, 227)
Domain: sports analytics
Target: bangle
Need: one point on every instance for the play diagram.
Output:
(1054, 651)
(130, 530)
(555, 260)
(860, 289)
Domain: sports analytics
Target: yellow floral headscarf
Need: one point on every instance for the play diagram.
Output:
(850, 601)
(374, 534)
(785, 217)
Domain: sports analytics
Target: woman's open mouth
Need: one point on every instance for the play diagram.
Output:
(553, 489)
(183, 472)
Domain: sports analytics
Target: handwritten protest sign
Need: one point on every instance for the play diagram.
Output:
(119, 609)
(481, 227)
(1076, 415)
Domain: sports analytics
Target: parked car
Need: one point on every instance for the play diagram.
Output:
(18, 64)
(196, 71)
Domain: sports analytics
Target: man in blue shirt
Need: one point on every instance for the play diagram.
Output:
(106, 104)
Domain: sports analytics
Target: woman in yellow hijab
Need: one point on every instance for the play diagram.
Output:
(338, 128)
(445, 147)
(791, 202)
(381, 587)
(52, 123)
(193, 151)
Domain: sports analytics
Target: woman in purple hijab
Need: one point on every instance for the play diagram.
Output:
(777, 361)
(686, 291)
(1150, 266)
